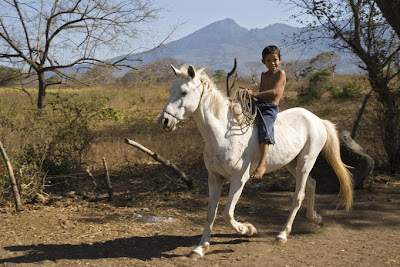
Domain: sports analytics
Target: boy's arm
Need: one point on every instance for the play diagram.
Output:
(274, 93)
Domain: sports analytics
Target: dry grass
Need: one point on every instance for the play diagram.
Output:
(139, 107)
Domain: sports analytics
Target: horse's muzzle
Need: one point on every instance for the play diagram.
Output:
(166, 123)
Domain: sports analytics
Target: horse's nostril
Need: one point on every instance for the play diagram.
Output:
(165, 122)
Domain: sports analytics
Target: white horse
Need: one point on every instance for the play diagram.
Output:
(233, 154)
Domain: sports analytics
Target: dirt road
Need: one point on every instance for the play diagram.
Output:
(160, 229)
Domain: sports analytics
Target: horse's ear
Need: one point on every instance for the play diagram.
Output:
(175, 70)
(191, 72)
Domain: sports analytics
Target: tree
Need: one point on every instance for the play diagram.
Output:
(359, 27)
(296, 68)
(156, 71)
(9, 76)
(219, 75)
(327, 61)
(97, 74)
(54, 35)
(391, 11)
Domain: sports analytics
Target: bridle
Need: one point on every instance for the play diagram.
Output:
(201, 97)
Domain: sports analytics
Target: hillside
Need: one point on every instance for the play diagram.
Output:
(217, 44)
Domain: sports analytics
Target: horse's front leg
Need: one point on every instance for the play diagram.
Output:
(235, 190)
(215, 183)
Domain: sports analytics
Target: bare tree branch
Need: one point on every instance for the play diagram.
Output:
(54, 35)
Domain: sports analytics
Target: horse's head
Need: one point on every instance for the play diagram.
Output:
(185, 96)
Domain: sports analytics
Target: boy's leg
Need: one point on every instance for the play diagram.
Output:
(262, 165)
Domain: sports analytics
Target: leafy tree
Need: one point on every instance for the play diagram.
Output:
(219, 75)
(318, 84)
(9, 76)
(327, 61)
(98, 74)
(38, 33)
(55, 79)
(358, 26)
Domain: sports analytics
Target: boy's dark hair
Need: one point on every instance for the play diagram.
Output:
(271, 49)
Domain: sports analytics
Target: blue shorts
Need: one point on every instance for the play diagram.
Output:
(269, 111)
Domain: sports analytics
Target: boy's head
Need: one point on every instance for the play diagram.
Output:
(271, 57)
(271, 49)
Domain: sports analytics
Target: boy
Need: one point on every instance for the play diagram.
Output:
(272, 85)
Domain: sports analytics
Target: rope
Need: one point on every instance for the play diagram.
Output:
(249, 109)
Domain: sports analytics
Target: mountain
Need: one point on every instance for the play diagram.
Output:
(217, 44)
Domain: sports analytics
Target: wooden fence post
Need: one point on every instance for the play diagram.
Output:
(17, 198)
(108, 181)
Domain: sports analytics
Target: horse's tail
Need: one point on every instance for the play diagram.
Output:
(331, 152)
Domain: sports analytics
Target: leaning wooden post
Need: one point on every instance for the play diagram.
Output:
(108, 181)
(17, 198)
(187, 180)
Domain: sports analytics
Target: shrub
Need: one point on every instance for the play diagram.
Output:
(307, 95)
(350, 90)
(318, 83)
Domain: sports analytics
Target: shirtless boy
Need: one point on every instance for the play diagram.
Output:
(272, 86)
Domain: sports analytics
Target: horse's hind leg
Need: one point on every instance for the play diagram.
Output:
(303, 167)
(215, 183)
(310, 193)
(235, 190)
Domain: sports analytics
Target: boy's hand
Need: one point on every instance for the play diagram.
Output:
(251, 93)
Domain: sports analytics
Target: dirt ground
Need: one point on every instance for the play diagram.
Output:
(158, 224)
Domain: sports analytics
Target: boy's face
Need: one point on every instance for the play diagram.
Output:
(271, 61)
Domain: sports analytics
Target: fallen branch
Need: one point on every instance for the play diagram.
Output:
(91, 176)
(17, 198)
(187, 180)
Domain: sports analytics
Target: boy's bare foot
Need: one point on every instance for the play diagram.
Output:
(259, 172)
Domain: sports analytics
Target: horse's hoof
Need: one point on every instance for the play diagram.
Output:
(194, 255)
(317, 220)
(280, 241)
(199, 251)
(252, 231)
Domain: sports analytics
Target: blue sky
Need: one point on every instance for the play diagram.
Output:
(194, 15)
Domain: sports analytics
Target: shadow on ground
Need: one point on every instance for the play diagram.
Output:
(142, 248)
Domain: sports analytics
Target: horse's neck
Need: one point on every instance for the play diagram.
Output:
(212, 125)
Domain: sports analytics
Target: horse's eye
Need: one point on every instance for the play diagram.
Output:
(184, 93)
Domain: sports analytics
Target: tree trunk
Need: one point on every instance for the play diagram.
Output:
(391, 11)
(391, 139)
(391, 120)
(359, 116)
(42, 90)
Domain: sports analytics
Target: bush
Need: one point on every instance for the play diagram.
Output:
(307, 95)
(350, 90)
(318, 83)
(54, 140)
